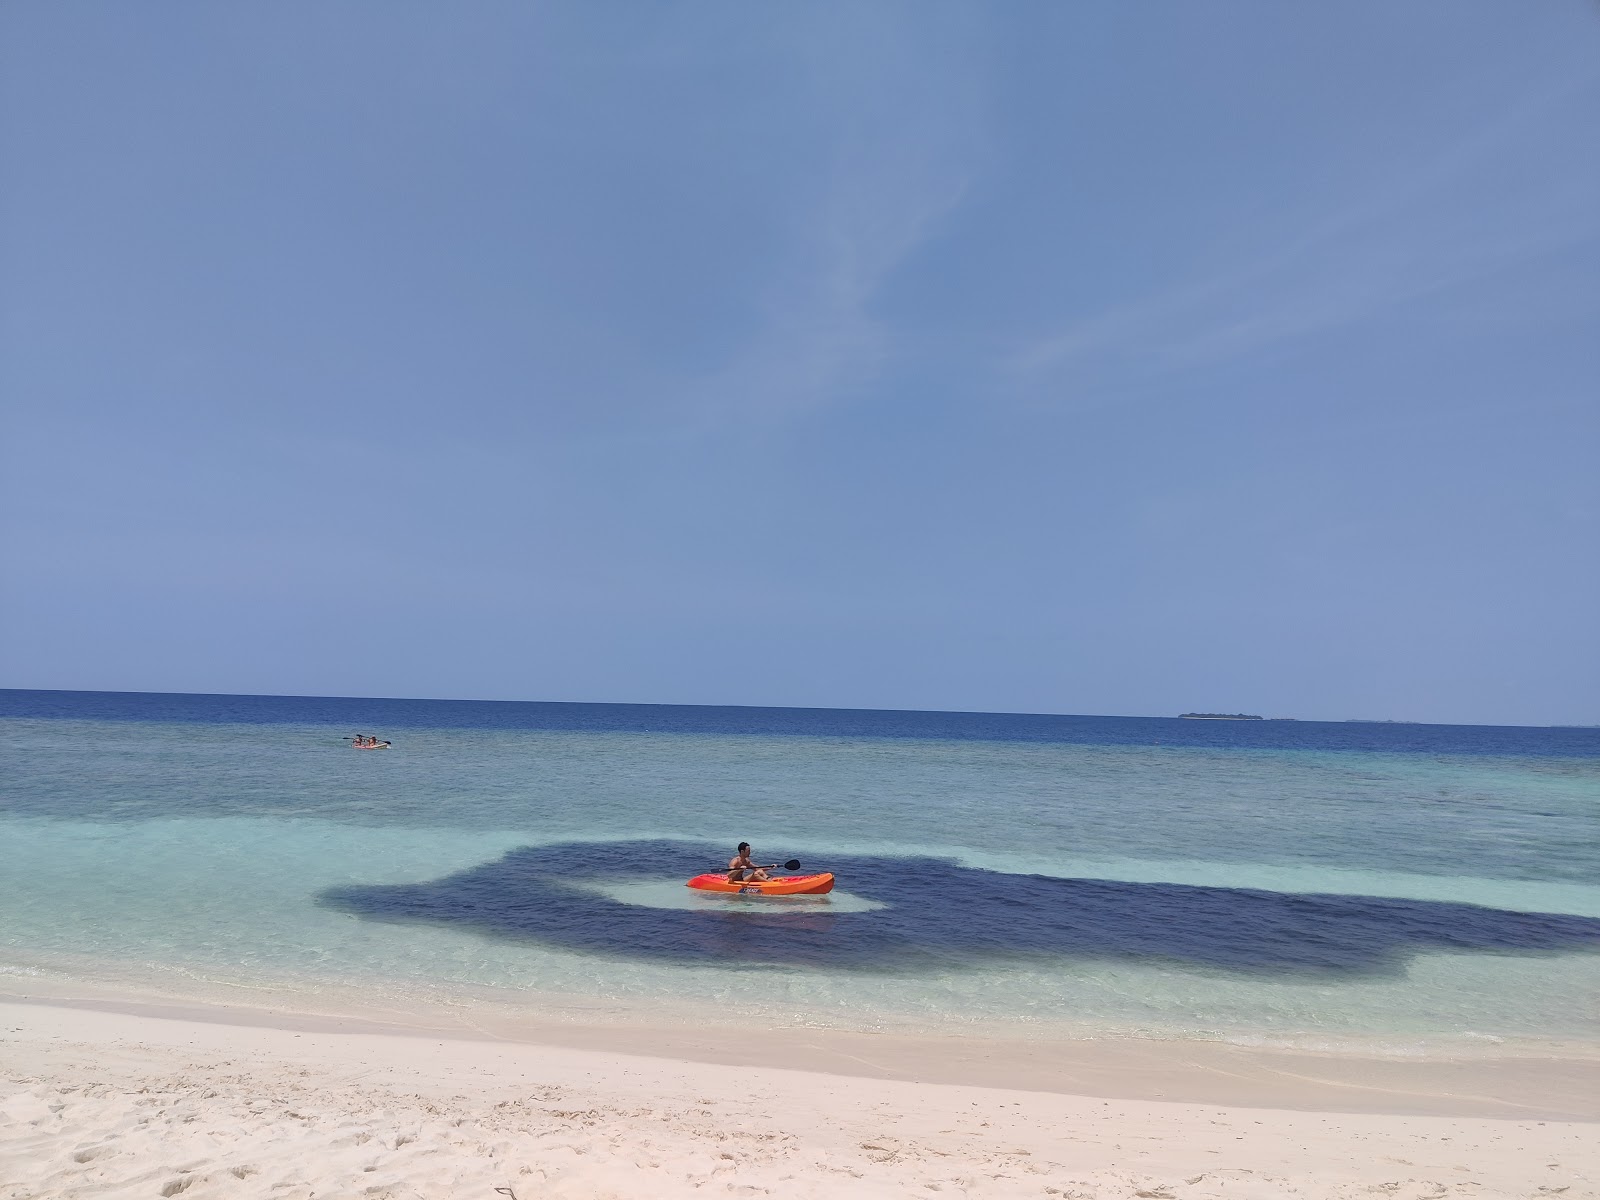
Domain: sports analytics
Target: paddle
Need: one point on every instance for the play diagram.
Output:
(792, 865)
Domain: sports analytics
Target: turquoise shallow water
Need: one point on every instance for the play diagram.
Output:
(1134, 877)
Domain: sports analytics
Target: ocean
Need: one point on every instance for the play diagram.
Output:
(1391, 886)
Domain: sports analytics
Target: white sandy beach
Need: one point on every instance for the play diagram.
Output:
(97, 1103)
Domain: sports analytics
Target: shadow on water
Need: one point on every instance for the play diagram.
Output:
(940, 915)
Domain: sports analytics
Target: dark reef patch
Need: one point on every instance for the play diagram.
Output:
(941, 915)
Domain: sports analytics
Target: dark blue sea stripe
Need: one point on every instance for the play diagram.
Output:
(346, 713)
(941, 915)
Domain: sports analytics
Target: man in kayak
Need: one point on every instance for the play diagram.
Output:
(742, 870)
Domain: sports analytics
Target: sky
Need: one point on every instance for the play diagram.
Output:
(1079, 358)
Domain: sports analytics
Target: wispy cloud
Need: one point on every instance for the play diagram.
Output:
(1409, 238)
(900, 95)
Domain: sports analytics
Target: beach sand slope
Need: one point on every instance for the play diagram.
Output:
(96, 1104)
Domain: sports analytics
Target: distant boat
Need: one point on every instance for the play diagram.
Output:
(1220, 717)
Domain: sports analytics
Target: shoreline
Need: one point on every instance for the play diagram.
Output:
(456, 1005)
(1542, 1081)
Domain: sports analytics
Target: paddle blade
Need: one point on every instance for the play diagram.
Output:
(792, 865)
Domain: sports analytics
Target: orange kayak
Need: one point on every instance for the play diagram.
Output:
(783, 885)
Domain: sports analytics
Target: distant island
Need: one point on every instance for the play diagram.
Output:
(1220, 717)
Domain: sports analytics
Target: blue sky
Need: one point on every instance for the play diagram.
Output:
(1095, 358)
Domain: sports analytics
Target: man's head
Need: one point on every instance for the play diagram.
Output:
(744, 848)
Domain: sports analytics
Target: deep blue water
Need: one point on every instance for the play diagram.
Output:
(936, 914)
(390, 715)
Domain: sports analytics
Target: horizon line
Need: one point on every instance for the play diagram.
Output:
(961, 712)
